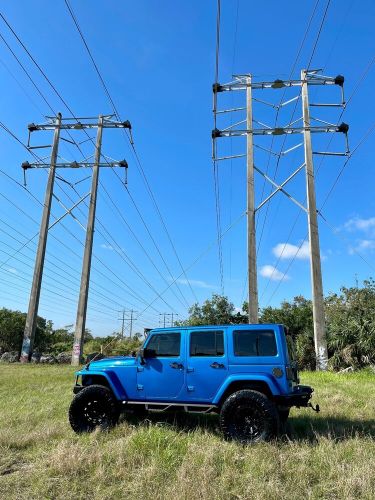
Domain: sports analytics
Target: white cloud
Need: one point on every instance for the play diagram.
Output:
(12, 270)
(106, 247)
(358, 224)
(273, 274)
(362, 246)
(289, 251)
(197, 283)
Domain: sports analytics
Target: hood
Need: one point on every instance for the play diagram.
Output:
(101, 364)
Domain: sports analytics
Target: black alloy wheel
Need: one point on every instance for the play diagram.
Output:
(93, 407)
(249, 416)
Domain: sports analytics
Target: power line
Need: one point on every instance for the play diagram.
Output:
(135, 269)
(200, 256)
(27, 215)
(132, 146)
(67, 247)
(122, 218)
(277, 116)
(214, 162)
(309, 23)
(92, 58)
(356, 87)
(231, 139)
(364, 138)
(144, 223)
(296, 103)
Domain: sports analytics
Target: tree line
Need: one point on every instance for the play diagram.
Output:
(350, 321)
(350, 324)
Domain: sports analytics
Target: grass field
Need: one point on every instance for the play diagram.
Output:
(329, 455)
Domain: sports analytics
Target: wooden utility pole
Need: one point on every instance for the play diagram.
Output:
(131, 323)
(251, 241)
(86, 267)
(32, 313)
(172, 320)
(122, 319)
(316, 270)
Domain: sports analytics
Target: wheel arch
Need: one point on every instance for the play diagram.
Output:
(106, 379)
(234, 384)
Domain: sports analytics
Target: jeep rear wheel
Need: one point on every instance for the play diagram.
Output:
(94, 406)
(248, 417)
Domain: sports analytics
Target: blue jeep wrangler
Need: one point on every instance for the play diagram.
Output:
(246, 373)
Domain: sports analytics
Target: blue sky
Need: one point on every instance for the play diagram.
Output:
(158, 60)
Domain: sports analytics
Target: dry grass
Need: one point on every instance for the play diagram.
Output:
(326, 456)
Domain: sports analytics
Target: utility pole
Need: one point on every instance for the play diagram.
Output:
(131, 320)
(251, 239)
(131, 323)
(172, 319)
(32, 313)
(245, 83)
(57, 124)
(122, 323)
(164, 315)
(86, 266)
(312, 217)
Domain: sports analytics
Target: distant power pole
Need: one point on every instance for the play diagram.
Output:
(245, 83)
(32, 313)
(57, 124)
(172, 319)
(131, 321)
(122, 319)
(164, 316)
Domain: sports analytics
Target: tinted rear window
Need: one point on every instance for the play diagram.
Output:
(254, 343)
(207, 343)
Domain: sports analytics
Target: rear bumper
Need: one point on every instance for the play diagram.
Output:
(299, 397)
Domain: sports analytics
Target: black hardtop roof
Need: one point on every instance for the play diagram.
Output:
(213, 327)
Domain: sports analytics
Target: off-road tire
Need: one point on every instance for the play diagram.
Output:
(94, 406)
(249, 417)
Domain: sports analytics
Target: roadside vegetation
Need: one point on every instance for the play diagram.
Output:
(325, 455)
(350, 318)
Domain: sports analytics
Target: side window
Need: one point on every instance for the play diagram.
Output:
(207, 343)
(254, 343)
(165, 344)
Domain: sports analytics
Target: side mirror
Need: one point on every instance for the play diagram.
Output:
(149, 353)
(145, 353)
(141, 354)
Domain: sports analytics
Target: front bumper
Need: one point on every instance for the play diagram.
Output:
(299, 397)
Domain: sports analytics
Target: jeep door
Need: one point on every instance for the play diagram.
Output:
(207, 364)
(162, 376)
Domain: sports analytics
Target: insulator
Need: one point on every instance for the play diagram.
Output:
(278, 84)
(339, 80)
(343, 127)
(216, 87)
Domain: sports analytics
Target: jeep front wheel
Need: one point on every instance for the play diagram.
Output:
(94, 406)
(248, 417)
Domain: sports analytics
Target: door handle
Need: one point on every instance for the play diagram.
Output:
(215, 364)
(176, 366)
